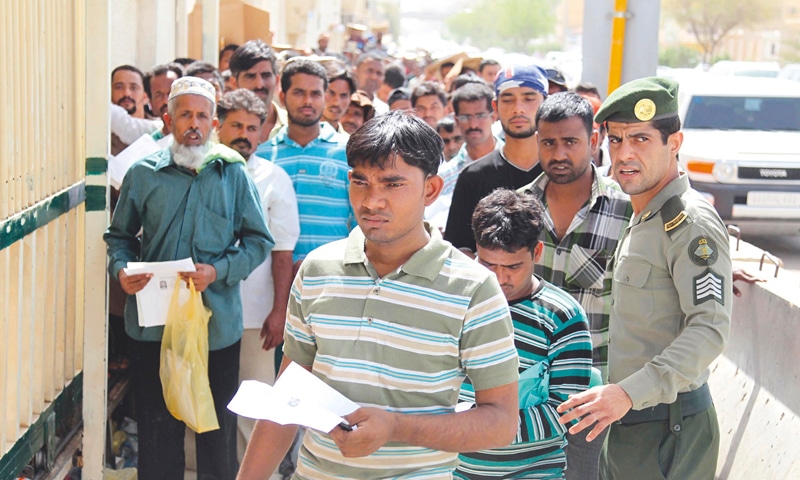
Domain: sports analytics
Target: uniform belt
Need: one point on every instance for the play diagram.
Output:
(690, 403)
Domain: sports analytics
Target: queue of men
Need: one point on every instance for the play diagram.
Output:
(416, 245)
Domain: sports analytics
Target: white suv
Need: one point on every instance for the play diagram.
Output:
(741, 148)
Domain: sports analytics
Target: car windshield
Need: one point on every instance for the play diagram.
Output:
(743, 113)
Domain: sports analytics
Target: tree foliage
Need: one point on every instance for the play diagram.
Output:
(509, 24)
(679, 56)
(711, 20)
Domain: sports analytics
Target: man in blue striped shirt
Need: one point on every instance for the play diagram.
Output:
(551, 335)
(313, 154)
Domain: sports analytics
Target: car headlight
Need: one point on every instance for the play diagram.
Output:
(724, 171)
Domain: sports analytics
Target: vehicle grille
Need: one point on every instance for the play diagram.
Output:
(777, 174)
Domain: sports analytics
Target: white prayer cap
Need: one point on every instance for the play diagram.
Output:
(193, 86)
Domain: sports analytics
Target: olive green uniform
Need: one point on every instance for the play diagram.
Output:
(670, 317)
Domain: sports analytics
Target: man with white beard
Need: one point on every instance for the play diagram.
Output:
(194, 199)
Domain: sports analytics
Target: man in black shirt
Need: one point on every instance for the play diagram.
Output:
(519, 91)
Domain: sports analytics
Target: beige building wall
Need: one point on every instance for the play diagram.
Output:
(758, 43)
(146, 33)
(754, 46)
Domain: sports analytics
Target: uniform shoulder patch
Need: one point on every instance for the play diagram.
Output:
(675, 222)
(703, 251)
(673, 215)
(708, 286)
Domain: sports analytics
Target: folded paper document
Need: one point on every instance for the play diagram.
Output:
(153, 300)
(298, 398)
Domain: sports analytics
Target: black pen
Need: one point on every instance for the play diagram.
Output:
(345, 426)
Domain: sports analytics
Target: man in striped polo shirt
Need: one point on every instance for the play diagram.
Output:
(313, 155)
(551, 335)
(395, 318)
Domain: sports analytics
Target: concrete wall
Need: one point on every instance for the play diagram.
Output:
(756, 389)
(143, 32)
(123, 48)
(640, 57)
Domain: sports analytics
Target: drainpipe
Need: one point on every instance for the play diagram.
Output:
(620, 16)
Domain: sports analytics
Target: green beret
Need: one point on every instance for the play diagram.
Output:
(641, 100)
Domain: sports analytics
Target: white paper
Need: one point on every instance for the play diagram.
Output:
(119, 165)
(298, 398)
(153, 300)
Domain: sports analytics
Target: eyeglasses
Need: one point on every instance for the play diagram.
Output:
(468, 118)
(456, 139)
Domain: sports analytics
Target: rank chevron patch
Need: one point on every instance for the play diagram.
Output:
(708, 286)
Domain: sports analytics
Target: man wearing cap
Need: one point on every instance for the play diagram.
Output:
(671, 302)
(519, 90)
(358, 112)
(400, 99)
(193, 199)
(556, 81)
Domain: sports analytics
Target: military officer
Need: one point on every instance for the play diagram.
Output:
(671, 302)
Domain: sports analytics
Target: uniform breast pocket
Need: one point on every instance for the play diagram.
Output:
(587, 268)
(633, 297)
(213, 234)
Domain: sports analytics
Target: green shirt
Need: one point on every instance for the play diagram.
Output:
(671, 297)
(214, 217)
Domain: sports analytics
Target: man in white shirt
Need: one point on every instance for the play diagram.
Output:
(265, 293)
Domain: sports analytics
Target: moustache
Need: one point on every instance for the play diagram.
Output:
(195, 131)
(519, 117)
(243, 142)
(556, 163)
(130, 110)
(261, 90)
(477, 130)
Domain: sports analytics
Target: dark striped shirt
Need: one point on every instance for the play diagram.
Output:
(549, 326)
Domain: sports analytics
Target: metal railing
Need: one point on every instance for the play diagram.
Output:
(42, 216)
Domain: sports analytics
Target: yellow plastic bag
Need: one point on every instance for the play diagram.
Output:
(184, 362)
